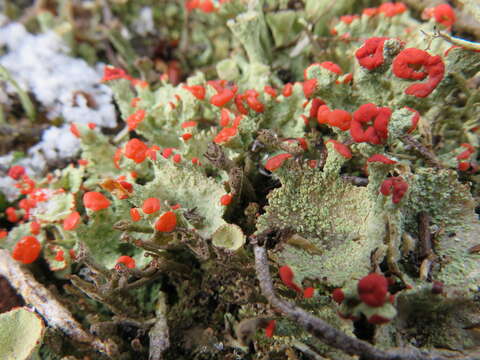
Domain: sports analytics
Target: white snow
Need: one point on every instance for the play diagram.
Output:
(64, 85)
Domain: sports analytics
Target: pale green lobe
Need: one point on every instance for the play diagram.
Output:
(187, 185)
(228, 236)
(21, 332)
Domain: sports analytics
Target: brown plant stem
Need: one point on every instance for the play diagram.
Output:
(327, 333)
(426, 153)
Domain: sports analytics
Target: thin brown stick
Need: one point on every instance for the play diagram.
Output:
(424, 235)
(44, 302)
(429, 155)
(324, 331)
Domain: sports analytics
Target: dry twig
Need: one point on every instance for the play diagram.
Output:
(327, 333)
(54, 313)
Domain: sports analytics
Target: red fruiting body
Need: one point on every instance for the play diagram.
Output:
(117, 157)
(395, 184)
(348, 19)
(372, 289)
(255, 104)
(270, 91)
(186, 136)
(126, 185)
(322, 114)
(467, 153)
(463, 166)
(11, 214)
(286, 275)
(127, 260)
(152, 152)
(27, 204)
(270, 328)
(26, 186)
(236, 121)
(59, 256)
(16, 172)
(167, 152)
(316, 103)
(338, 295)
(332, 67)
(287, 90)
(391, 299)
(177, 158)
(82, 162)
(224, 117)
(196, 90)
(3, 233)
(338, 118)
(340, 148)
(469, 147)
(276, 161)
(135, 215)
(151, 205)
(135, 119)
(112, 73)
(390, 9)
(225, 135)
(378, 117)
(251, 92)
(218, 85)
(308, 292)
(464, 155)
(406, 64)
(378, 320)
(95, 201)
(71, 221)
(309, 87)
(348, 78)
(370, 55)
(192, 4)
(35, 228)
(444, 15)
(187, 124)
(222, 98)
(196, 161)
(415, 119)
(74, 130)
(381, 158)
(299, 141)
(239, 104)
(207, 6)
(226, 199)
(136, 150)
(27, 250)
(166, 222)
(370, 11)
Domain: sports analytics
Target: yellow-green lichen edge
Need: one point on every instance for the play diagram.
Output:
(21, 333)
(229, 236)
